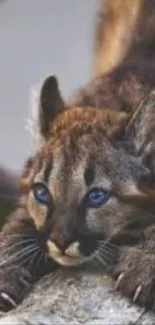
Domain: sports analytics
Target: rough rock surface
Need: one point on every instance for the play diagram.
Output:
(76, 297)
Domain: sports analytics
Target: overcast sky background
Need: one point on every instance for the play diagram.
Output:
(37, 38)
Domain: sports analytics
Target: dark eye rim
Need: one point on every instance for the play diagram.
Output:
(43, 185)
(107, 195)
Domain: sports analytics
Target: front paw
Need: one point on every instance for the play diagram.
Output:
(14, 288)
(134, 276)
(6, 302)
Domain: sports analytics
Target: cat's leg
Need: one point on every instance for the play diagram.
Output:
(22, 260)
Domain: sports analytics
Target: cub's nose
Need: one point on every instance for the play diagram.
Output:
(71, 257)
(61, 242)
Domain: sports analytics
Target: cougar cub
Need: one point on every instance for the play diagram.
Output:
(88, 191)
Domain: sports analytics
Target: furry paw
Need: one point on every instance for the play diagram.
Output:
(14, 288)
(134, 276)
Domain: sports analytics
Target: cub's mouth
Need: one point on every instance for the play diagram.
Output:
(99, 251)
(71, 257)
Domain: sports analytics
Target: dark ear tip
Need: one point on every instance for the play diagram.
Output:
(50, 83)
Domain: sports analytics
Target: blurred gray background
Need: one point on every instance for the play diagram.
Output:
(39, 37)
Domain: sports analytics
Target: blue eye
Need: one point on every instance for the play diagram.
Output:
(96, 197)
(41, 193)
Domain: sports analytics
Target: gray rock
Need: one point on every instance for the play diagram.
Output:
(76, 297)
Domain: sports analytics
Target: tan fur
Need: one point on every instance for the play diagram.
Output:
(115, 26)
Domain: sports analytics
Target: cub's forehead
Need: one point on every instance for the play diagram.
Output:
(61, 167)
(66, 169)
(86, 157)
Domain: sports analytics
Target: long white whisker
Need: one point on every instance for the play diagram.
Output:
(96, 262)
(25, 235)
(33, 257)
(18, 255)
(100, 258)
(39, 260)
(105, 250)
(106, 247)
(26, 259)
(105, 254)
(29, 240)
(20, 238)
(26, 256)
(19, 243)
(99, 262)
(107, 243)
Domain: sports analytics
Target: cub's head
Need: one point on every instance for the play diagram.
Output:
(85, 194)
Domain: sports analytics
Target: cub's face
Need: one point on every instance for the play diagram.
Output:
(85, 195)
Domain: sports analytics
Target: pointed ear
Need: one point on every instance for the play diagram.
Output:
(51, 103)
(45, 103)
(140, 132)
